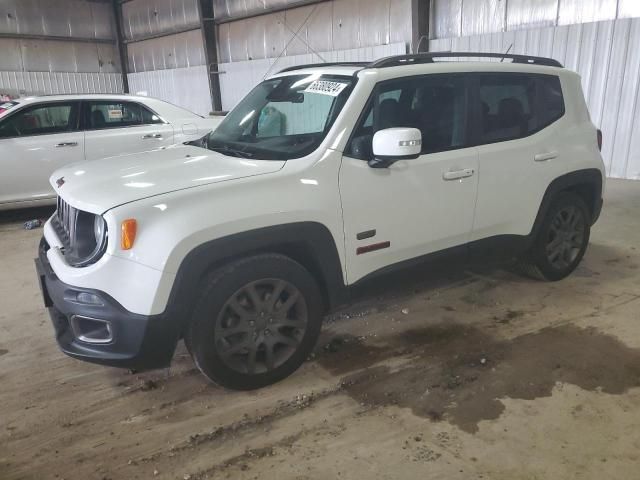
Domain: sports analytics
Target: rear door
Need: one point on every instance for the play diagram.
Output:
(34, 142)
(520, 150)
(115, 127)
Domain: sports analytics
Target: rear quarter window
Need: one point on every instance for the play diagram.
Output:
(514, 106)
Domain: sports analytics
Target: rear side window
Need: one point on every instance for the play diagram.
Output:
(41, 120)
(514, 106)
(107, 114)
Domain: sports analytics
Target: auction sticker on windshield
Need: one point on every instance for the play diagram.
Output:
(326, 87)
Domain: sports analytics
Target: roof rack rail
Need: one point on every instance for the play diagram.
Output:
(325, 64)
(419, 58)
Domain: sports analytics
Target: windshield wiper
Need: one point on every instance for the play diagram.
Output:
(234, 152)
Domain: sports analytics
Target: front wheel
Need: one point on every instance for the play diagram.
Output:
(561, 241)
(255, 322)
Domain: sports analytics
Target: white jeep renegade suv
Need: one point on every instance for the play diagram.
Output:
(323, 176)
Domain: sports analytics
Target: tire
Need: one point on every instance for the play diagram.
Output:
(255, 321)
(561, 241)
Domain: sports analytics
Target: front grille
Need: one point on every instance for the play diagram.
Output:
(64, 222)
(75, 229)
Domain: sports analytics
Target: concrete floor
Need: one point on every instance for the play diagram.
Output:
(464, 374)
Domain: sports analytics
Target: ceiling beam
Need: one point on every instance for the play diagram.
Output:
(26, 36)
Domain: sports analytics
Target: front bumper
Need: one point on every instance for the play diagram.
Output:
(136, 341)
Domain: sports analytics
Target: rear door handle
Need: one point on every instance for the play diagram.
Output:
(152, 135)
(67, 144)
(543, 157)
(456, 174)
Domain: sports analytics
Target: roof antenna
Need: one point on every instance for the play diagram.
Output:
(506, 53)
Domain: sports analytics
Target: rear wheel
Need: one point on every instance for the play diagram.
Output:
(255, 322)
(561, 241)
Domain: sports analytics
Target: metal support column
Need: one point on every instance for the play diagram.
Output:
(122, 47)
(420, 12)
(209, 40)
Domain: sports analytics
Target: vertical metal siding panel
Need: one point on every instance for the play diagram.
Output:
(573, 46)
(546, 41)
(10, 59)
(319, 31)
(628, 98)
(482, 16)
(586, 57)
(8, 16)
(633, 161)
(583, 11)
(611, 108)
(520, 45)
(224, 54)
(29, 17)
(600, 75)
(508, 40)
(531, 13)
(400, 24)
(237, 41)
(295, 20)
(275, 35)
(103, 20)
(346, 20)
(447, 18)
(533, 41)
(255, 37)
(560, 40)
(374, 22)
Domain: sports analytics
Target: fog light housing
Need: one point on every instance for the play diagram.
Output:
(88, 298)
(91, 330)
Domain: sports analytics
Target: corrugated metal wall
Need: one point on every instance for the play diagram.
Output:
(41, 66)
(240, 77)
(142, 18)
(187, 87)
(332, 25)
(456, 18)
(63, 18)
(171, 67)
(607, 56)
(234, 9)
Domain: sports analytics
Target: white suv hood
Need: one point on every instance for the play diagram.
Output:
(99, 185)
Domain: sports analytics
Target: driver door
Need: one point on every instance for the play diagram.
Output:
(413, 207)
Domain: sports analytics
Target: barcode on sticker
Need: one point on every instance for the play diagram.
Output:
(326, 87)
(113, 114)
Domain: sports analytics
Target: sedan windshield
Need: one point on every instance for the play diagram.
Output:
(282, 118)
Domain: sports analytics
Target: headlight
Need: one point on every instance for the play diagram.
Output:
(99, 228)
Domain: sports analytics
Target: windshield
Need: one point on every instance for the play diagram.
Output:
(282, 118)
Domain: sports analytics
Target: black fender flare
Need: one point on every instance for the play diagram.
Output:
(590, 178)
(309, 243)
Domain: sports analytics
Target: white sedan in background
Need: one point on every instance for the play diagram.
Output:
(38, 135)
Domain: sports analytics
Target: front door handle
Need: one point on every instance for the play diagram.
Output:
(543, 157)
(151, 135)
(457, 174)
(67, 144)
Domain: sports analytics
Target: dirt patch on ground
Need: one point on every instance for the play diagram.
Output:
(460, 373)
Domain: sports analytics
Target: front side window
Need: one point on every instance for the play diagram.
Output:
(514, 106)
(434, 104)
(40, 120)
(282, 118)
(113, 114)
